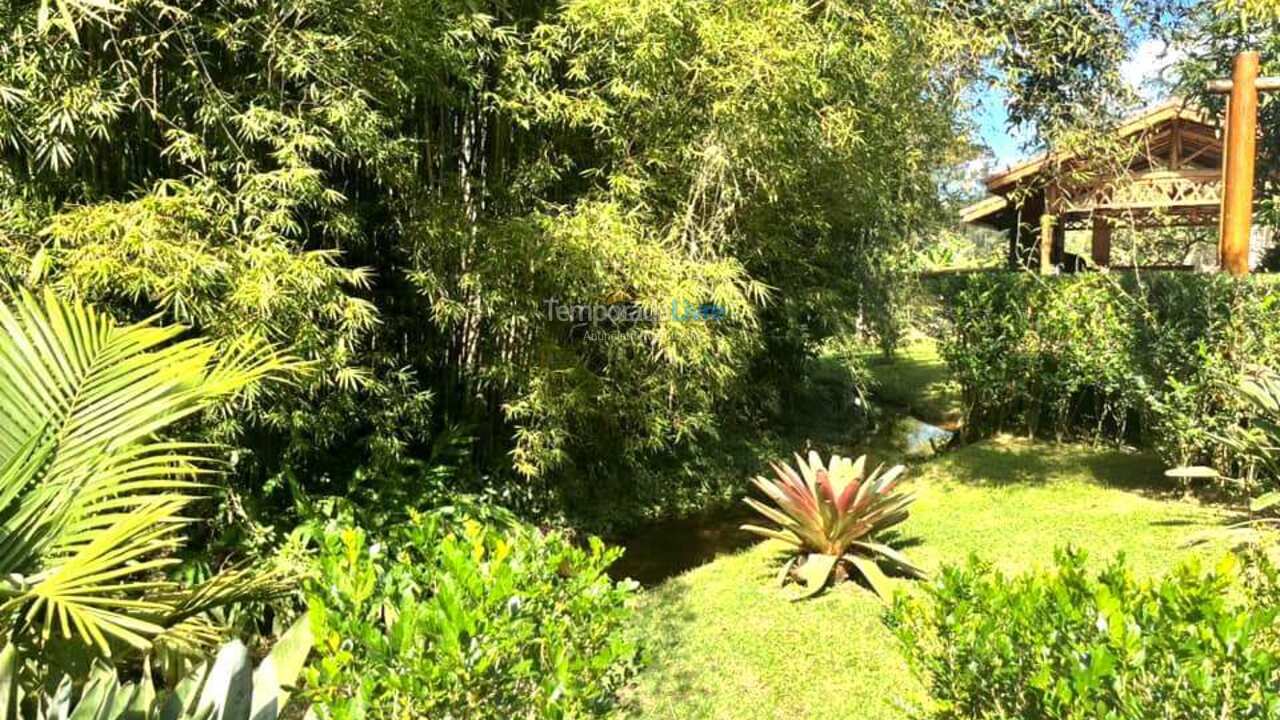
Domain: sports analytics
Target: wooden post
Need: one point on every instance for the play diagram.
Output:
(1046, 244)
(1242, 138)
(1236, 221)
(1101, 241)
(1175, 155)
(1015, 237)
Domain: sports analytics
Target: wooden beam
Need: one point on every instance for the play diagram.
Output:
(1101, 250)
(1206, 138)
(1223, 87)
(1202, 151)
(1242, 139)
(1203, 174)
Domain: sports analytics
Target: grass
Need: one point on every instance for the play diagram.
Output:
(722, 642)
(916, 378)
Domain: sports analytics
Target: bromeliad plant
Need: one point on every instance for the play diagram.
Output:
(831, 514)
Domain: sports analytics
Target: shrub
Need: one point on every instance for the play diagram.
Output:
(1036, 354)
(1065, 644)
(1154, 360)
(465, 618)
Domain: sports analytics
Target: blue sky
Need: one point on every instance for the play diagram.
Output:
(1145, 70)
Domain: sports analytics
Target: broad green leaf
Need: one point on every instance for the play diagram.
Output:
(783, 535)
(894, 556)
(781, 578)
(279, 670)
(1264, 502)
(97, 696)
(814, 574)
(9, 682)
(875, 577)
(228, 688)
(183, 696)
(144, 696)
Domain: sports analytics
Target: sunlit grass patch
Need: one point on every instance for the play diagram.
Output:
(916, 378)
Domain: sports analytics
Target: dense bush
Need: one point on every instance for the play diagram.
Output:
(459, 617)
(1154, 359)
(1065, 644)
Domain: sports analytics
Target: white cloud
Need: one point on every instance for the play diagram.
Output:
(1149, 69)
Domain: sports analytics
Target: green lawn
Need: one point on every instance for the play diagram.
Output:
(916, 378)
(722, 642)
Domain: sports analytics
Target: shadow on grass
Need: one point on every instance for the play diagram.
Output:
(898, 541)
(670, 547)
(995, 463)
(1180, 522)
(665, 624)
(1136, 472)
(1000, 462)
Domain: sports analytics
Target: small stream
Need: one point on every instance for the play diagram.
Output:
(669, 547)
(909, 437)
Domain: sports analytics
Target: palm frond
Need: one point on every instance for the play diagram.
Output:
(92, 502)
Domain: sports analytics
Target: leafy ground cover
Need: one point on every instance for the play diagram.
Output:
(916, 378)
(723, 643)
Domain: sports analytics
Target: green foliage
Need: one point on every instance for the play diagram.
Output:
(93, 499)
(451, 616)
(1260, 442)
(1059, 64)
(1112, 357)
(205, 163)
(1257, 443)
(1024, 351)
(398, 188)
(228, 689)
(1059, 60)
(1066, 644)
(1209, 35)
(832, 514)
